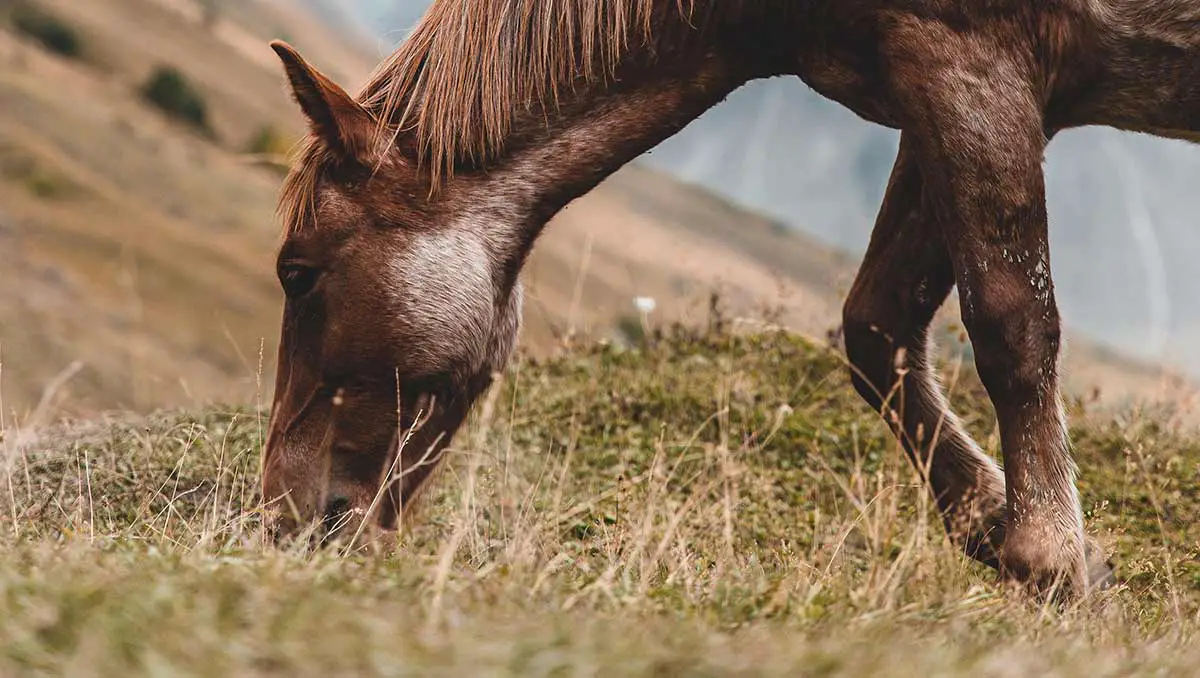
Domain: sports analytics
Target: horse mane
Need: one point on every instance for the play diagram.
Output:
(470, 66)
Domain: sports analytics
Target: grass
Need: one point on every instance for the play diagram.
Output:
(704, 505)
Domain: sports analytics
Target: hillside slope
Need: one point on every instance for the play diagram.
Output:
(139, 247)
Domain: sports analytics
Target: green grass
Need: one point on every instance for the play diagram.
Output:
(706, 505)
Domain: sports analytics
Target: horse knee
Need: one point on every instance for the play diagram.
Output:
(870, 349)
(1016, 352)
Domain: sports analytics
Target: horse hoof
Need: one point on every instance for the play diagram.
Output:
(1100, 573)
(1059, 577)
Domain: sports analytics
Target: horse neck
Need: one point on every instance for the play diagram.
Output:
(558, 154)
(552, 163)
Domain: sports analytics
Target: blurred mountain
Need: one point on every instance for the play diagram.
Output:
(1122, 205)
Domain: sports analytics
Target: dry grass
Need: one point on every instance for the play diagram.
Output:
(708, 505)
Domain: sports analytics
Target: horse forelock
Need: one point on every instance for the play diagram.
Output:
(297, 205)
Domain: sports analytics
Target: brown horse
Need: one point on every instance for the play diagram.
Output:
(415, 205)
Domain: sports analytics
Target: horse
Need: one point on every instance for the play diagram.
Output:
(412, 207)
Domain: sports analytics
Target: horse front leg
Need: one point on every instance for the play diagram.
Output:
(976, 123)
(904, 278)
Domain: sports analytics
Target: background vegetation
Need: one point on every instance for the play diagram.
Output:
(174, 94)
(45, 27)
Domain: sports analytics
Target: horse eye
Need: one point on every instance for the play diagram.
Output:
(297, 279)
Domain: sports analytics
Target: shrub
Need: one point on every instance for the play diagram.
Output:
(41, 181)
(269, 148)
(171, 91)
(270, 141)
(51, 32)
(46, 186)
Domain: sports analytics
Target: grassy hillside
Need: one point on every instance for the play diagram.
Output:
(707, 505)
(140, 246)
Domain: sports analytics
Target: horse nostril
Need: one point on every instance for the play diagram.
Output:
(335, 512)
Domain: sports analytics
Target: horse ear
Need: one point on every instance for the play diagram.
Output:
(334, 116)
